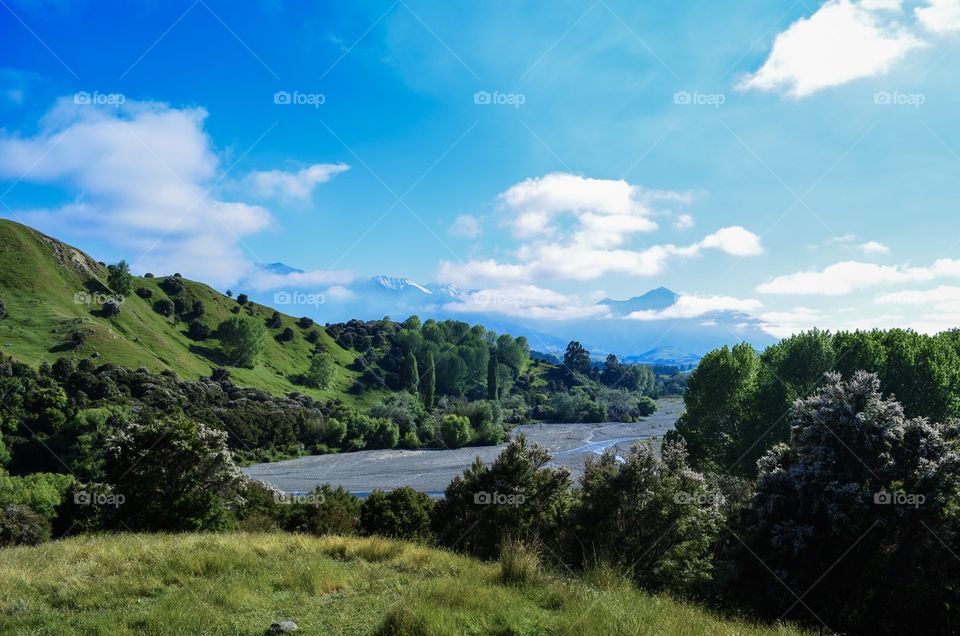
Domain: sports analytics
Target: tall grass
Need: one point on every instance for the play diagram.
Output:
(242, 583)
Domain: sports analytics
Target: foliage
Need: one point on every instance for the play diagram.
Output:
(455, 431)
(867, 495)
(119, 278)
(198, 330)
(409, 375)
(516, 497)
(653, 517)
(321, 371)
(19, 525)
(576, 358)
(164, 307)
(241, 340)
(171, 285)
(174, 474)
(403, 513)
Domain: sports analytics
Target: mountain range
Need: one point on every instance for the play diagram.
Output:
(677, 341)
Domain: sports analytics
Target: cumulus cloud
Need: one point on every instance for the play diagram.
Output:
(844, 40)
(262, 280)
(527, 301)
(874, 247)
(683, 222)
(849, 276)
(603, 217)
(784, 323)
(293, 186)
(941, 17)
(142, 177)
(466, 226)
(696, 306)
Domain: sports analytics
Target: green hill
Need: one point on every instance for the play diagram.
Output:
(49, 289)
(243, 583)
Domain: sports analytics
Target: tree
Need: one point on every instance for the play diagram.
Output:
(241, 340)
(175, 474)
(517, 497)
(322, 370)
(409, 375)
(455, 431)
(576, 358)
(651, 515)
(493, 372)
(428, 384)
(164, 307)
(198, 330)
(242, 299)
(119, 278)
(719, 425)
(275, 322)
(403, 513)
(862, 493)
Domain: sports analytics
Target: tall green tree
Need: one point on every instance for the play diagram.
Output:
(119, 278)
(241, 340)
(576, 358)
(493, 373)
(428, 384)
(321, 371)
(409, 374)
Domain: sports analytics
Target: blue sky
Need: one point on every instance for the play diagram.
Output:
(794, 160)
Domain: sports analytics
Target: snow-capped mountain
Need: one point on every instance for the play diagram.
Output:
(669, 340)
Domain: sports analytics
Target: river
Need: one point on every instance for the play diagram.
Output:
(430, 470)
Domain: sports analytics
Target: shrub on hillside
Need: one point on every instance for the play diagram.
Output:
(321, 371)
(241, 340)
(171, 285)
(19, 525)
(198, 330)
(111, 308)
(650, 516)
(325, 510)
(517, 497)
(305, 323)
(3, 310)
(163, 307)
(286, 335)
(242, 299)
(403, 513)
(145, 293)
(119, 278)
(868, 495)
(175, 474)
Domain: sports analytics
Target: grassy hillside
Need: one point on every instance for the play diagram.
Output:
(45, 285)
(242, 583)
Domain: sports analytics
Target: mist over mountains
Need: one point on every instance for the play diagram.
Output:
(632, 328)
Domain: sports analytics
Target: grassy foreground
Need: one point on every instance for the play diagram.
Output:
(241, 583)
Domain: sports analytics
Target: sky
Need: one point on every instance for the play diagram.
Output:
(795, 160)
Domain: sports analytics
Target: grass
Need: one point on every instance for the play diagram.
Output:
(242, 583)
(40, 278)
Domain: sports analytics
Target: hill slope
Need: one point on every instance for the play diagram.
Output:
(52, 290)
(242, 583)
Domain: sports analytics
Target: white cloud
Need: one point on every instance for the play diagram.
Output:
(527, 301)
(466, 226)
(606, 215)
(784, 323)
(941, 17)
(874, 247)
(683, 222)
(843, 41)
(849, 276)
(293, 186)
(261, 280)
(696, 306)
(142, 177)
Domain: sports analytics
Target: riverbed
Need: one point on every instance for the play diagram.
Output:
(431, 470)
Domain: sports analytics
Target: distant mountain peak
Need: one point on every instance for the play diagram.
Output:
(399, 284)
(279, 268)
(654, 300)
